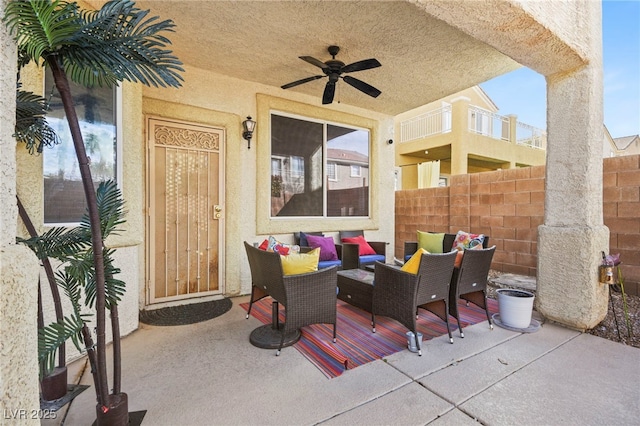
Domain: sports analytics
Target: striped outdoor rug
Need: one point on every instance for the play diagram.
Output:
(356, 344)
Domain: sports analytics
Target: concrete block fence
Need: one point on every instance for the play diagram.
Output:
(508, 205)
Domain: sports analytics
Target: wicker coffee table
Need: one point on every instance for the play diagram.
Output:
(356, 288)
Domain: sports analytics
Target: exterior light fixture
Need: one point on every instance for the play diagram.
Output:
(248, 126)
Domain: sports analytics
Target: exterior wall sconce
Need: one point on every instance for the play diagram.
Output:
(248, 126)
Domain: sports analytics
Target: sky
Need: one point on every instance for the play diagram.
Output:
(621, 58)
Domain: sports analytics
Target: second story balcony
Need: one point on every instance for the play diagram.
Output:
(466, 138)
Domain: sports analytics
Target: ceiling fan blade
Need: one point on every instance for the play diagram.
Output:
(304, 80)
(362, 86)
(314, 61)
(329, 91)
(362, 65)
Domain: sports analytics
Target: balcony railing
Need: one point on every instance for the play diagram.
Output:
(431, 123)
(480, 121)
(487, 123)
(530, 136)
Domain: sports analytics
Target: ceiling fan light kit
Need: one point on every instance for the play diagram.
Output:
(333, 69)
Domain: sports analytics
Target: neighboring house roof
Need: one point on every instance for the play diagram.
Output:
(492, 106)
(625, 145)
(625, 141)
(346, 156)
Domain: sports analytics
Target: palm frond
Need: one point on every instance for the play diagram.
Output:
(23, 60)
(120, 43)
(32, 127)
(42, 27)
(114, 288)
(110, 209)
(52, 336)
(58, 243)
(72, 287)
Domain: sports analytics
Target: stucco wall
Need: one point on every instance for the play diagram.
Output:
(18, 266)
(223, 101)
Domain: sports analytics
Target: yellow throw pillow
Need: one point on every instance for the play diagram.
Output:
(412, 265)
(430, 241)
(300, 263)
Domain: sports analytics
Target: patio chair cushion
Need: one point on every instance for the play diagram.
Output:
(272, 244)
(326, 245)
(465, 240)
(329, 263)
(458, 261)
(460, 254)
(413, 264)
(364, 247)
(372, 258)
(300, 263)
(431, 241)
(303, 237)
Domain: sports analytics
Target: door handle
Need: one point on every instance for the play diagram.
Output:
(217, 211)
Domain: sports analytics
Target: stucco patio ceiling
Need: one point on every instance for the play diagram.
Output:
(423, 58)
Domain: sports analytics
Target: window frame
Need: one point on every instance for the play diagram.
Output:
(296, 171)
(279, 160)
(378, 127)
(119, 149)
(334, 165)
(325, 123)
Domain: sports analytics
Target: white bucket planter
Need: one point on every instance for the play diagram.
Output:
(516, 307)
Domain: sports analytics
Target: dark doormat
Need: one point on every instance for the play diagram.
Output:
(185, 314)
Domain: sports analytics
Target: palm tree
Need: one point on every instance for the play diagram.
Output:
(118, 42)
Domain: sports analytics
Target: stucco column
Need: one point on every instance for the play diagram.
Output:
(459, 128)
(18, 267)
(573, 235)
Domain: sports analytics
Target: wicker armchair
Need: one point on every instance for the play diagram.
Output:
(398, 294)
(469, 282)
(307, 298)
(352, 259)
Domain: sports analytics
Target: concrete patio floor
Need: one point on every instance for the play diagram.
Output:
(209, 374)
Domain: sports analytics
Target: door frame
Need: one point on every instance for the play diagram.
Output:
(150, 240)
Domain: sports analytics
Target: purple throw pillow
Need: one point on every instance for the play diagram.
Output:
(326, 244)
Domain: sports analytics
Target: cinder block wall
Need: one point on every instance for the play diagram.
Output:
(508, 205)
(621, 207)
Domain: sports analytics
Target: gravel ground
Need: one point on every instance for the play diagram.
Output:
(614, 325)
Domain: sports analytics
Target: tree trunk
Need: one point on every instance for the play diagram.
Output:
(62, 84)
(57, 303)
(117, 358)
(91, 354)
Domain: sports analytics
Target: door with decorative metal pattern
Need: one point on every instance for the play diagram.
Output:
(185, 210)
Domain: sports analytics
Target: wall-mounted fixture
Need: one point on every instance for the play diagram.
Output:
(390, 141)
(248, 126)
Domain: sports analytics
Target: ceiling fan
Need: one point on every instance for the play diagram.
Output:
(334, 70)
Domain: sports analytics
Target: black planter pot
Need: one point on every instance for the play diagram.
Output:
(118, 412)
(54, 386)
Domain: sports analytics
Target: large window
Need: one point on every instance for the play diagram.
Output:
(312, 153)
(64, 199)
